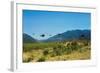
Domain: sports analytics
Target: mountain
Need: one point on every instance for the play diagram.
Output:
(71, 35)
(28, 39)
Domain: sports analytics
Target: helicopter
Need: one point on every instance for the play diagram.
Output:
(42, 35)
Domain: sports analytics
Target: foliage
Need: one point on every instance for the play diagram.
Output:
(52, 51)
(41, 59)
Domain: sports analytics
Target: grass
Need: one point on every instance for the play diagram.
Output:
(56, 51)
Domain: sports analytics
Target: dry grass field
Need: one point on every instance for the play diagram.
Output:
(56, 51)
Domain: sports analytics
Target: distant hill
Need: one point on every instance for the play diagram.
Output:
(28, 39)
(71, 35)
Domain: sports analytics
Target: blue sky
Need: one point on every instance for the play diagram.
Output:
(50, 23)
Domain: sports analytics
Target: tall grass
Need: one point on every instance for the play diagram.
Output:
(52, 51)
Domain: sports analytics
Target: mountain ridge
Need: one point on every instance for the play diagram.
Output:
(68, 35)
(28, 39)
(71, 35)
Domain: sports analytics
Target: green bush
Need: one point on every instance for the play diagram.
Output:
(45, 52)
(42, 59)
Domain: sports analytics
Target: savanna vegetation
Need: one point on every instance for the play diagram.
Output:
(56, 51)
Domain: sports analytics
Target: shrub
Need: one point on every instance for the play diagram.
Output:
(42, 59)
(57, 50)
(30, 58)
(45, 52)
